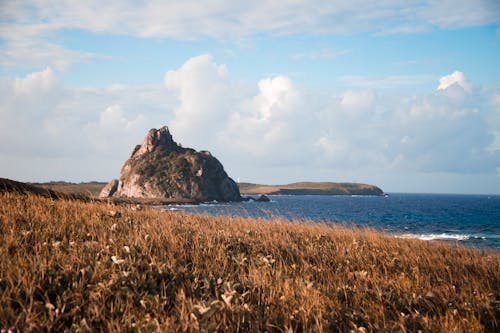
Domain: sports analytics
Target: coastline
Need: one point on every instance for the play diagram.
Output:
(426, 217)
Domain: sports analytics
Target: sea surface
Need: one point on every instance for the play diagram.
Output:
(465, 219)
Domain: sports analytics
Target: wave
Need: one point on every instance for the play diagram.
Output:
(442, 236)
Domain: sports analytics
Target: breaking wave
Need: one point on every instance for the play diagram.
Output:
(442, 236)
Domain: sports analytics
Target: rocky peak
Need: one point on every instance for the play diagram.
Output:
(159, 167)
(153, 139)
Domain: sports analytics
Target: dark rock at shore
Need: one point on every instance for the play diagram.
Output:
(261, 198)
(160, 168)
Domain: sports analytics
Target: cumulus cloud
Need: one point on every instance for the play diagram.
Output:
(114, 124)
(206, 97)
(24, 104)
(214, 110)
(276, 95)
(457, 78)
(44, 124)
(273, 131)
(280, 125)
(37, 82)
(269, 119)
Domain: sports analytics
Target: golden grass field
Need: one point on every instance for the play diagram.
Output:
(68, 265)
(91, 189)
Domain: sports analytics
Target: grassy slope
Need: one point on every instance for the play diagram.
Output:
(88, 188)
(311, 187)
(8, 185)
(82, 191)
(89, 265)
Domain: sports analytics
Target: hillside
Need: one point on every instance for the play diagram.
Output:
(53, 192)
(311, 188)
(95, 267)
(87, 188)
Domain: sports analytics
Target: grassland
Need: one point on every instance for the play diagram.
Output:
(325, 188)
(97, 267)
(91, 189)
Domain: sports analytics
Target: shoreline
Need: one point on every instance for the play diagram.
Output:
(463, 239)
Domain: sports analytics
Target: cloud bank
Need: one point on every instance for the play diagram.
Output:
(449, 130)
(274, 131)
(29, 28)
(50, 131)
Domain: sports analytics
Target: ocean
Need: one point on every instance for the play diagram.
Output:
(464, 219)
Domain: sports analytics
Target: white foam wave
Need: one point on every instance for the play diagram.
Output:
(443, 236)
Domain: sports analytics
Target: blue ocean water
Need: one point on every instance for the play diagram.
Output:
(466, 219)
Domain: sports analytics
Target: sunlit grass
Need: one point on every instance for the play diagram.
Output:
(91, 266)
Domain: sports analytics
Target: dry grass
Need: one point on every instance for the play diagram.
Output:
(89, 266)
(91, 189)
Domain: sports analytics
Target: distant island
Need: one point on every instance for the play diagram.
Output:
(160, 168)
(311, 188)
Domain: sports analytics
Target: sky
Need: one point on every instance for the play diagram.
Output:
(401, 94)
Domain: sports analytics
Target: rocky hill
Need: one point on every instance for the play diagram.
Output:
(160, 168)
(312, 188)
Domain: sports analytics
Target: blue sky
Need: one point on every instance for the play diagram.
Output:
(402, 95)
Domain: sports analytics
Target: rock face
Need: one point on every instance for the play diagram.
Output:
(160, 168)
(109, 189)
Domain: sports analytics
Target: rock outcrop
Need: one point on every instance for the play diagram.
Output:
(160, 168)
(109, 189)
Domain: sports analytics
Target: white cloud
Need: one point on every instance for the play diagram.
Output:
(37, 82)
(273, 117)
(214, 110)
(281, 125)
(28, 26)
(24, 104)
(206, 98)
(38, 53)
(357, 99)
(113, 124)
(456, 77)
(45, 121)
(450, 13)
(272, 132)
(228, 18)
(276, 95)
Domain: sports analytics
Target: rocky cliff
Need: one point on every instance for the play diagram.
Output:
(160, 168)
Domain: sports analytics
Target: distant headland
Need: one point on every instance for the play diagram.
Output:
(311, 188)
